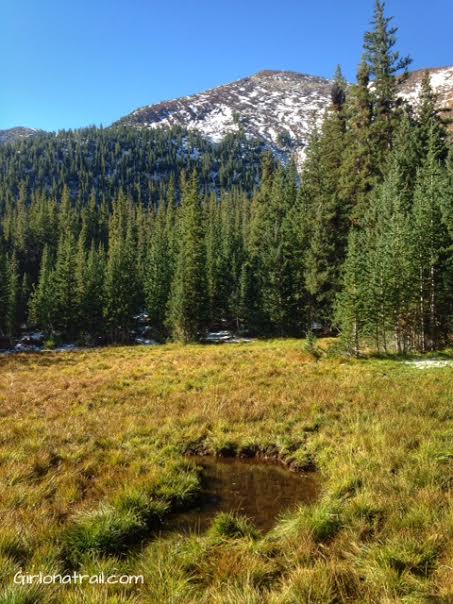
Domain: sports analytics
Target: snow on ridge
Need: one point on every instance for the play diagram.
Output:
(442, 77)
(279, 108)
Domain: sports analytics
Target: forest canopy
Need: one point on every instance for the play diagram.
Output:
(99, 225)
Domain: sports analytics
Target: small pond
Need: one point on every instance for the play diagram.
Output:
(257, 489)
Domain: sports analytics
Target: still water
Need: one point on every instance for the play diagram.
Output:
(257, 489)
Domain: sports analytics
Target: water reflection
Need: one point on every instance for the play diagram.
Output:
(257, 489)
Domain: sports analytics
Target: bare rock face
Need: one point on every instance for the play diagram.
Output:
(279, 108)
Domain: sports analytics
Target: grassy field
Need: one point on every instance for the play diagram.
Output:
(92, 451)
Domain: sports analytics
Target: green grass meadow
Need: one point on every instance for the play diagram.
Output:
(93, 449)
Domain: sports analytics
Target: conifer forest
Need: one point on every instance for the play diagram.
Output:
(100, 225)
(226, 320)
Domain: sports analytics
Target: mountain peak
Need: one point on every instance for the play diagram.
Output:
(287, 74)
(276, 107)
(11, 135)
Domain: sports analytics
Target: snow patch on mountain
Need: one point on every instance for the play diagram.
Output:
(441, 82)
(279, 108)
(12, 135)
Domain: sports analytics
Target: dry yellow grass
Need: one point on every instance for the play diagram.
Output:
(84, 430)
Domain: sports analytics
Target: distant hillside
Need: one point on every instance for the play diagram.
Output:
(138, 161)
(276, 107)
(14, 134)
(442, 83)
(279, 108)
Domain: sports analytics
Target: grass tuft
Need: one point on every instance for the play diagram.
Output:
(230, 526)
(21, 595)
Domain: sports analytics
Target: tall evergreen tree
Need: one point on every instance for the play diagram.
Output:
(92, 301)
(432, 245)
(329, 220)
(3, 292)
(215, 265)
(358, 174)
(41, 303)
(254, 276)
(431, 130)
(235, 214)
(385, 64)
(64, 286)
(121, 286)
(350, 311)
(13, 314)
(388, 288)
(189, 299)
(159, 266)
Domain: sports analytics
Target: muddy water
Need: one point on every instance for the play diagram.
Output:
(259, 490)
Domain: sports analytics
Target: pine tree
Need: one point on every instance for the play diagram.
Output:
(159, 268)
(42, 300)
(388, 288)
(293, 247)
(80, 276)
(25, 290)
(3, 292)
(22, 234)
(89, 283)
(279, 255)
(338, 92)
(403, 160)
(358, 173)
(66, 215)
(121, 286)
(92, 303)
(188, 301)
(142, 225)
(254, 274)
(385, 63)
(13, 316)
(350, 310)
(215, 266)
(446, 208)
(432, 244)
(329, 220)
(248, 295)
(90, 219)
(64, 286)
(43, 230)
(430, 129)
(273, 281)
(234, 215)
(446, 200)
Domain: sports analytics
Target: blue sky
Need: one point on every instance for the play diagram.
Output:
(71, 63)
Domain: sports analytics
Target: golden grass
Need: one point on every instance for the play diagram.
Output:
(84, 430)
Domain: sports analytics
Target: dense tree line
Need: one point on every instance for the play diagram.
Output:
(109, 224)
(139, 161)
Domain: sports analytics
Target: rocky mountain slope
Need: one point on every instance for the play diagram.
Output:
(442, 83)
(277, 107)
(14, 134)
